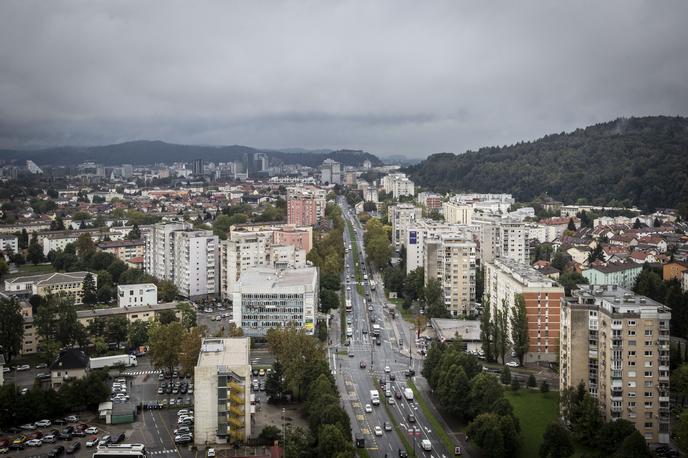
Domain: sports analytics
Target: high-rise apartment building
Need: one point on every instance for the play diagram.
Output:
(418, 231)
(617, 344)
(504, 279)
(198, 168)
(196, 263)
(400, 216)
(502, 238)
(330, 172)
(398, 184)
(450, 259)
(457, 212)
(222, 401)
(266, 298)
(305, 205)
(159, 252)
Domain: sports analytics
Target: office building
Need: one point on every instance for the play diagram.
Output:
(330, 172)
(617, 344)
(222, 398)
(502, 238)
(398, 185)
(136, 295)
(401, 216)
(504, 279)
(450, 259)
(266, 298)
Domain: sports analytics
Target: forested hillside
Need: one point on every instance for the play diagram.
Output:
(639, 161)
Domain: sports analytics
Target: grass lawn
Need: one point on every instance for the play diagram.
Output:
(534, 411)
(37, 269)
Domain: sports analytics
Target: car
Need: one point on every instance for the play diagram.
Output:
(411, 418)
(4, 450)
(512, 364)
(182, 430)
(66, 436)
(255, 372)
(106, 439)
(362, 365)
(91, 430)
(397, 394)
(347, 343)
(24, 391)
(23, 367)
(387, 425)
(403, 453)
(351, 353)
(92, 441)
(6, 369)
(392, 377)
(185, 418)
(59, 421)
(79, 432)
(50, 438)
(43, 423)
(261, 372)
(391, 401)
(34, 443)
(72, 418)
(387, 370)
(73, 448)
(457, 451)
(119, 438)
(28, 426)
(378, 431)
(161, 376)
(57, 451)
(182, 439)
(172, 401)
(184, 412)
(370, 308)
(368, 408)
(211, 452)
(161, 390)
(426, 445)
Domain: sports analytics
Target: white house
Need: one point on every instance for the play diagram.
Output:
(137, 295)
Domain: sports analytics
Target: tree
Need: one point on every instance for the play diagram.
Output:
(433, 293)
(331, 442)
(134, 233)
(505, 376)
(57, 224)
(486, 332)
(544, 387)
(556, 442)
(515, 384)
(560, 260)
(597, 253)
(571, 280)
(4, 268)
(328, 300)
(656, 223)
(612, 434)
(191, 348)
(519, 328)
(188, 319)
(23, 239)
(532, 383)
(269, 435)
(274, 387)
(633, 446)
(85, 245)
(500, 332)
(56, 322)
(571, 226)
(432, 360)
(35, 251)
(167, 317)
(90, 294)
(485, 391)
(637, 224)
(681, 431)
(495, 434)
(138, 333)
(11, 328)
(453, 389)
(116, 329)
(165, 344)
(167, 291)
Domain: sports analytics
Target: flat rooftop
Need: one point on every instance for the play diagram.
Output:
(448, 329)
(523, 273)
(227, 352)
(266, 279)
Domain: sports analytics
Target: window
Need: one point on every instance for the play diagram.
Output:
(648, 332)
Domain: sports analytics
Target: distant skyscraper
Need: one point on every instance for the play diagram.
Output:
(198, 167)
(32, 167)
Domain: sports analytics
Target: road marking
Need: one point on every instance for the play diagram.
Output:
(161, 452)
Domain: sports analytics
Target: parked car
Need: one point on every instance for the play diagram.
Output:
(512, 364)
(41, 366)
(59, 421)
(28, 426)
(43, 423)
(57, 451)
(23, 367)
(50, 438)
(73, 447)
(91, 430)
(20, 439)
(72, 418)
(211, 452)
(119, 438)
(106, 439)
(34, 443)
(182, 439)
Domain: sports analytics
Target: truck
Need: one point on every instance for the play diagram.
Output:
(376, 330)
(110, 361)
(348, 305)
(408, 394)
(374, 397)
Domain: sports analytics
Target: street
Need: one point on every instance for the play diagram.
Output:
(355, 383)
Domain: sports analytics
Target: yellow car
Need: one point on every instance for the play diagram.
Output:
(20, 439)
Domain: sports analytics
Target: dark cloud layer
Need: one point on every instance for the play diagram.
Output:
(388, 76)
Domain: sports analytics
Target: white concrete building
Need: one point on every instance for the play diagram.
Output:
(398, 185)
(419, 231)
(400, 216)
(266, 298)
(502, 238)
(159, 257)
(450, 259)
(196, 263)
(137, 294)
(330, 172)
(485, 203)
(540, 232)
(457, 212)
(9, 242)
(222, 398)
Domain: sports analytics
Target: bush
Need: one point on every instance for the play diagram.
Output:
(269, 435)
(532, 383)
(505, 376)
(544, 387)
(515, 384)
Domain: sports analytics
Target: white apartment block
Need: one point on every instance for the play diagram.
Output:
(266, 298)
(247, 250)
(330, 172)
(457, 212)
(159, 254)
(222, 402)
(418, 232)
(398, 185)
(451, 260)
(504, 279)
(136, 295)
(502, 238)
(540, 232)
(9, 242)
(485, 203)
(617, 344)
(196, 263)
(400, 216)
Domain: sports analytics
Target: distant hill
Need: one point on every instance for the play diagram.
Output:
(150, 152)
(639, 161)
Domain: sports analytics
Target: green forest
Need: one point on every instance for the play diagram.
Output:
(629, 161)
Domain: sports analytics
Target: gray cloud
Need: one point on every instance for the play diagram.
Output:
(387, 76)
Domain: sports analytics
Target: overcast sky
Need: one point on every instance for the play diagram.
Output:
(406, 77)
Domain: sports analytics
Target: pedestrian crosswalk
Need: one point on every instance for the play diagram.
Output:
(140, 372)
(161, 452)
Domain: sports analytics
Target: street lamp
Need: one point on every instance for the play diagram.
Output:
(284, 429)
